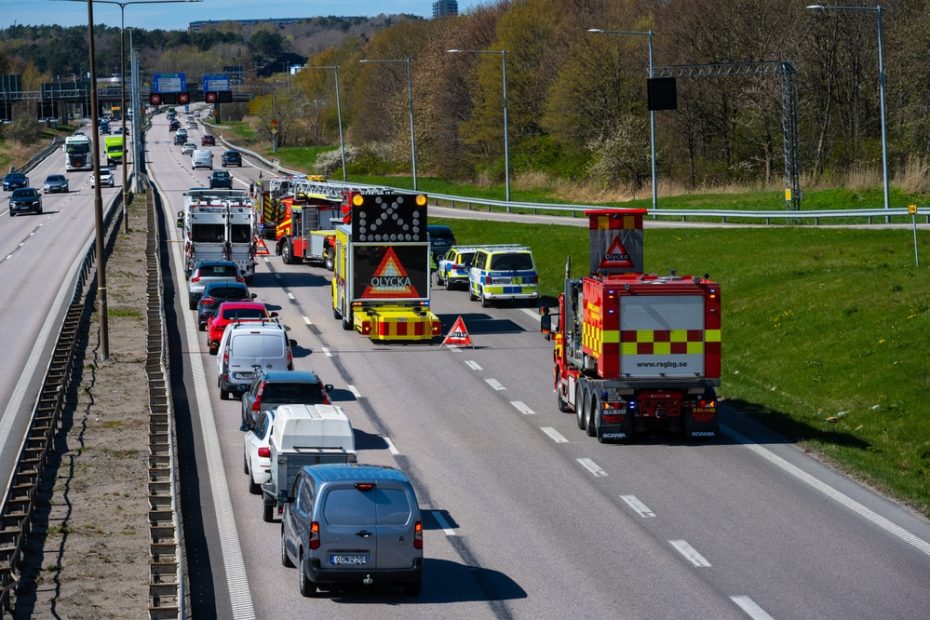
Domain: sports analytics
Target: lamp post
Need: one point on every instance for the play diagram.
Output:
(652, 115)
(342, 144)
(503, 55)
(877, 9)
(122, 78)
(413, 143)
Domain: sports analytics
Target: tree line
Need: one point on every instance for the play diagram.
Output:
(577, 101)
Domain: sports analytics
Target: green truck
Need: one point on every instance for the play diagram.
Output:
(114, 149)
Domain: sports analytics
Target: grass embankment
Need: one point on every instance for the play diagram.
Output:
(824, 332)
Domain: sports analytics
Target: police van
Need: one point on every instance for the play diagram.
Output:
(503, 273)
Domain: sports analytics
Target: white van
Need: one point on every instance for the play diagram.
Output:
(304, 435)
(248, 348)
(202, 158)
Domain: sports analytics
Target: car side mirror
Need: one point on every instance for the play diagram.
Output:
(244, 428)
(254, 295)
(328, 387)
(292, 342)
(273, 315)
(545, 322)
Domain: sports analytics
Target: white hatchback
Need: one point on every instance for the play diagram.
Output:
(257, 457)
(106, 178)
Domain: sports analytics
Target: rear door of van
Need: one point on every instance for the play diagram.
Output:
(348, 538)
(397, 514)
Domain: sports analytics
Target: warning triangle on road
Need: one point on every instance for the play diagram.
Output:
(458, 335)
(616, 256)
(261, 249)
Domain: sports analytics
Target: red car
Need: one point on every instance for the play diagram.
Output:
(229, 312)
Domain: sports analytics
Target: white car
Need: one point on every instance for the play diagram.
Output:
(257, 458)
(188, 148)
(106, 178)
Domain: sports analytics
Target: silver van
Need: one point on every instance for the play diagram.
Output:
(202, 158)
(351, 523)
(248, 348)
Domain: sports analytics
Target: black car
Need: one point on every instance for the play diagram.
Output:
(180, 138)
(220, 178)
(216, 293)
(282, 387)
(15, 180)
(174, 125)
(207, 140)
(55, 183)
(25, 199)
(232, 158)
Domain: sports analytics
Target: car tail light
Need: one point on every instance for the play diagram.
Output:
(418, 535)
(314, 535)
(264, 452)
(196, 278)
(488, 280)
(239, 278)
(207, 301)
(257, 404)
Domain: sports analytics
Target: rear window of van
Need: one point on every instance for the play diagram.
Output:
(258, 345)
(518, 261)
(350, 507)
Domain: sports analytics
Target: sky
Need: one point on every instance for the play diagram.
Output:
(175, 16)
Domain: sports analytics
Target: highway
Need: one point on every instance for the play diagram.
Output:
(39, 255)
(526, 516)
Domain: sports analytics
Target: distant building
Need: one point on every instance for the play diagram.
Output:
(445, 8)
(198, 26)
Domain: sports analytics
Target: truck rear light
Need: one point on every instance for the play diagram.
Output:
(264, 452)
(612, 418)
(314, 535)
(418, 535)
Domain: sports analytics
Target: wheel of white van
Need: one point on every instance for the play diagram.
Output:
(580, 398)
(484, 301)
(286, 561)
(268, 512)
(439, 281)
(307, 587)
(471, 294)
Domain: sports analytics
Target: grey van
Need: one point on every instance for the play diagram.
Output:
(351, 523)
(248, 348)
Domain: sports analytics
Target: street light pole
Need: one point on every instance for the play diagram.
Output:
(652, 115)
(413, 143)
(503, 55)
(878, 9)
(122, 78)
(342, 144)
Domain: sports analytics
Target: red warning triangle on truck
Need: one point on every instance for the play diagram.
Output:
(390, 280)
(616, 256)
(458, 335)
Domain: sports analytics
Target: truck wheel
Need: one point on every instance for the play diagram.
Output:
(306, 587)
(268, 512)
(287, 254)
(347, 322)
(285, 560)
(563, 406)
(580, 398)
(592, 407)
(328, 260)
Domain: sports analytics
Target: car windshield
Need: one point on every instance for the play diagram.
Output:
(293, 393)
(226, 292)
(55, 178)
(24, 192)
(516, 261)
(214, 270)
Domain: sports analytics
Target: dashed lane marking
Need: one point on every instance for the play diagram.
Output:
(495, 384)
(592, 467)
(641, 509)
(291, 296)
(690, 553)
(354, 391)
(522, 407)
(307, 321)
(553, 434)
(751, 608)
(441, 520)
(473, 365)
(391, 447)
(326, 351)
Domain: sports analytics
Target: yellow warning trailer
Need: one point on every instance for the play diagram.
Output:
(381, 273)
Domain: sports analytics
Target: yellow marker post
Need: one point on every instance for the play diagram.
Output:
(912, 210)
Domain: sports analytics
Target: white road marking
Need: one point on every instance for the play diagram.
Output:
(9, 256)
(267, 260)
(391, 447)
(443, 523)
(553, 434)
(532, 313)
(290, 296)
(473, 365)
(454, 348)
(690, 553)
(843, 499)
(307, 321)
(21, 244)
(326, 351)
(354, 391)
(592, 467)
(751, 608)
(522, 407)
(495, 384)
(642, 509)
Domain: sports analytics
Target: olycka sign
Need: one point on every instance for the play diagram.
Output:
(391, 272)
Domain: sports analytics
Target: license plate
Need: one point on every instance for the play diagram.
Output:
(348, 560)
(245, 375)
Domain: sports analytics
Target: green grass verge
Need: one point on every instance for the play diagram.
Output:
(824, 332)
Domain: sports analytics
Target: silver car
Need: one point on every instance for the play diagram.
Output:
(351, 523)
(210, 271)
